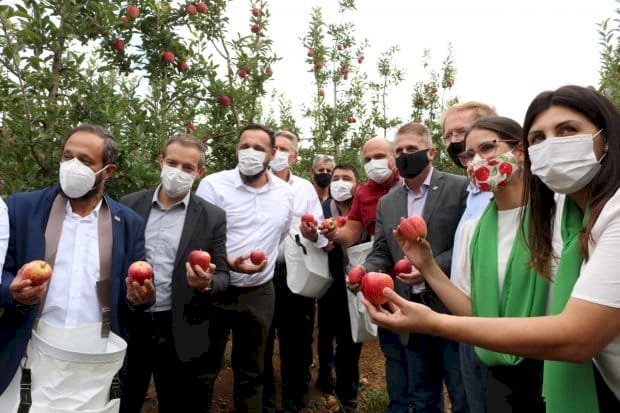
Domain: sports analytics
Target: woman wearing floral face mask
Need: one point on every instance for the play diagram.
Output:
(572, 139)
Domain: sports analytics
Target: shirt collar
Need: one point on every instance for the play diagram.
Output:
(425, 184)
(183, 202)
(93, 214)
(238, 182)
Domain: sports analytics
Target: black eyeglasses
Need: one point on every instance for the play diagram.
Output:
(486, 149)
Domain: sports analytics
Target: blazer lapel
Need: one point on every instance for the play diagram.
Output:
(191, 218)
(432, 197)
(116, 270)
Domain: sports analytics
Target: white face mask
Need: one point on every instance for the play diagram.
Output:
(76, 179)
(175, 182)
(251, 162)
(280, 161)
(565, 164)
(378, 170)
(341, 190)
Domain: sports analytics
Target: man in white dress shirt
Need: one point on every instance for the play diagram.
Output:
(259, 210)
(294, 314)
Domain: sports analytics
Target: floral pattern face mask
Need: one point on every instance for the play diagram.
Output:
(491, 174)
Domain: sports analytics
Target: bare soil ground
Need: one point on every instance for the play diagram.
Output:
(372, 379)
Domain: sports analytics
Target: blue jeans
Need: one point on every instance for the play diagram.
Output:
(475, 376)
(415, 373)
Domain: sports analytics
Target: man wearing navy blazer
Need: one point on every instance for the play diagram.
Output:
(88, 160)
(171, 339)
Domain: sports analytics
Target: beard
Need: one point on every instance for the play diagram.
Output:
(250, 179)
(97, 187)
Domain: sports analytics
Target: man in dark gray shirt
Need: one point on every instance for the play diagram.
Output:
(171, 340)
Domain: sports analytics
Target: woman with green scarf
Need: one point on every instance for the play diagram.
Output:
(572, 147)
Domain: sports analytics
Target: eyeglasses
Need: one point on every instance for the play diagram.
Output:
(485, 150)
(447, 138)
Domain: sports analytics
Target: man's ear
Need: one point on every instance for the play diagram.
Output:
(109, 171)
(201, 170)
(431, 153)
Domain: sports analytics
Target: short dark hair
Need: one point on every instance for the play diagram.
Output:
(110, 148)
(258, 126)
(348, 167)
(187, 140)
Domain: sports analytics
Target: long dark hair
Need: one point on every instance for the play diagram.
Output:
(602, 113)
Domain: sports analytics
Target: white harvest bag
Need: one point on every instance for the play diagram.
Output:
(307, 268)
(72, 369)
(362, 328)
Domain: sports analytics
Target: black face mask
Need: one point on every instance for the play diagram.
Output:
(411, 164)
(322, 179)
(454, 149)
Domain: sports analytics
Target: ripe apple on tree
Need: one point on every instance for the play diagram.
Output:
(373, 284)
(201, 7)
(257, 256)
(133, 11)
(37, 271)
(140, 271)
(200, 258)
(119, 45)
(191, 9)
(168, 56)
(225, 100)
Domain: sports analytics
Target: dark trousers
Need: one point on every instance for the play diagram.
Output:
(150, 351)
(474, 374)
(293, 324)
(516, 389)
(334, 324)
(247, 313)
(415, 373)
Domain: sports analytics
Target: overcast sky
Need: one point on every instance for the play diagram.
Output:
(505, 52)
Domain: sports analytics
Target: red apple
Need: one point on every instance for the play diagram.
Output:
(318, 64)
(268, 71)
(200, 258)
(344, 70)
(255, 28)
(224, 100)
(321, 92)
(119, 45)
(256, 12)
(310, 53)
(355, 274)
(413, 228)
(242, 73)
(168, 56)
(190, 126)
(191, 9)
(373, 284)
(402, 266)
(37, 272)
(201, 7)
(341, 221)
(140, 271)
(328, 224)
(257, 256)
(309, 219)
(338, 46)
(351, 119)
(360, 59)
(182, 65)
(133, 11)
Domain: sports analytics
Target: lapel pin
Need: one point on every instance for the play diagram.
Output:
(116, 218)
(435, 188)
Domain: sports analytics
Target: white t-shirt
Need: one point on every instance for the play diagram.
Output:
(599, 283)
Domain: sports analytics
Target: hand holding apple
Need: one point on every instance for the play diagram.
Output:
(257, 256)
(200, 258)
(38, 272)
(354, 277)
(23, 291)
(373, 284)
(140, 271)
(243, 264)
(411, 277)
(413, 228)
(418, 252)
(199, 279)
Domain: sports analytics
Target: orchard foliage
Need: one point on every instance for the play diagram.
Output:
(609, 32)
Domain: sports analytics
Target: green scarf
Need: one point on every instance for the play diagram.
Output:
(569, 387)
(524, 293)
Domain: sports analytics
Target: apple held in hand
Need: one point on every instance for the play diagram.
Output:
(37, 272)
(140, 271)
(413, 228)
(328, 224)
(200, 258)
(402, 266)
(309, 219)
(257, 256)
(373, 284)
(355, 274)
(341, 221)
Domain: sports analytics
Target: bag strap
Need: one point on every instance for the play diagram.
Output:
(53, 230)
